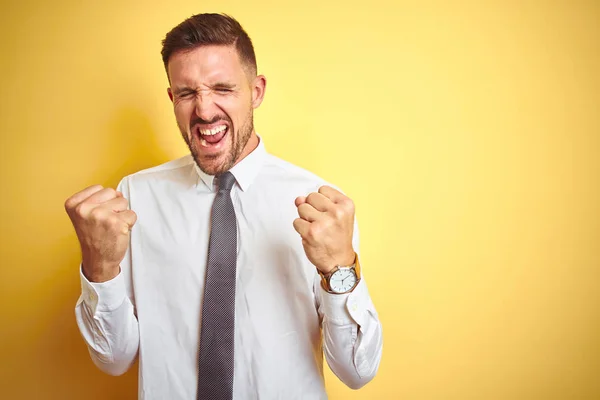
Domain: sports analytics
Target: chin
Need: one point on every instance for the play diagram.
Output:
(213, 165)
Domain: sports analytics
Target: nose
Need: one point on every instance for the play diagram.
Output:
(205, 107)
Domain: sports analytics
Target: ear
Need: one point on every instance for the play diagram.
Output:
(170, 94)
(258, 90)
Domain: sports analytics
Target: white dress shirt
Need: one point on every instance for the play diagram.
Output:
(285, 321)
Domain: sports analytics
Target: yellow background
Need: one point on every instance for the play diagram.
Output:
(467, 133)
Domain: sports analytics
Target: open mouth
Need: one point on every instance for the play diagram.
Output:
(212, 137)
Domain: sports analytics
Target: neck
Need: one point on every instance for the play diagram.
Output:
(251, 145)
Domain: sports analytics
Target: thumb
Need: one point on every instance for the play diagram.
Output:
(300, 200)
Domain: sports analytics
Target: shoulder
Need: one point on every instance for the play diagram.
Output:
(168, 167)
(286, 173)
(175, 170)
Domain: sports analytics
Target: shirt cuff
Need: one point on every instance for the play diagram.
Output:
(105, 296)
(349, 308)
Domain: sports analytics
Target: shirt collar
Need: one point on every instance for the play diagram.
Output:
(244, 171)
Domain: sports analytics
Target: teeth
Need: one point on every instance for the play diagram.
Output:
(213, 131)
(203, 143)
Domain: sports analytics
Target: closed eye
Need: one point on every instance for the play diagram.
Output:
(223, 87)
(185, 94)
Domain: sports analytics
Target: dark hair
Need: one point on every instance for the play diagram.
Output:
(209, 29)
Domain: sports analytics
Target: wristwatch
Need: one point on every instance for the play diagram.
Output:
(341, 279)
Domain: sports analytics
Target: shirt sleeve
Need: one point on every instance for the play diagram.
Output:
(352, 333)
(105, 315)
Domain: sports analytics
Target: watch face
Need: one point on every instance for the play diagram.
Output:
(342, 280)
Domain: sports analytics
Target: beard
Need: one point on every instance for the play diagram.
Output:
(219, 163)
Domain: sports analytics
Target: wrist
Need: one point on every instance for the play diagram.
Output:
(346, 260)
(99, 272)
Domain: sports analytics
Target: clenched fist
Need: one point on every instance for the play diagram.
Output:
(326, 225)
(102, 223)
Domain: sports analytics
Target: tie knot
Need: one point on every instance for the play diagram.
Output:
(226, 181)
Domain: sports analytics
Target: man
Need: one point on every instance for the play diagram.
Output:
(229, 271)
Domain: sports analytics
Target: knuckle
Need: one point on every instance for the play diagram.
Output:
(113, 222)
(311, 197)
(69, 204)
(349, 204)
(127, 217)
(97, 215)
(339, 213)
(314, 231)
(79, 209)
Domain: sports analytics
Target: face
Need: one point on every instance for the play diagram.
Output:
(214, 97)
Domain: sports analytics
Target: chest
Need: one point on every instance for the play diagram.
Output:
(170, 241)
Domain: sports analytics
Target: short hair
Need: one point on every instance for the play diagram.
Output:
(209, 29)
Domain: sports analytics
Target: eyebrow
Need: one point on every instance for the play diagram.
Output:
(224, 85)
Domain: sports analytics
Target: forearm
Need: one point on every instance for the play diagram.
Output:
(352, 336)
(106, 319)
